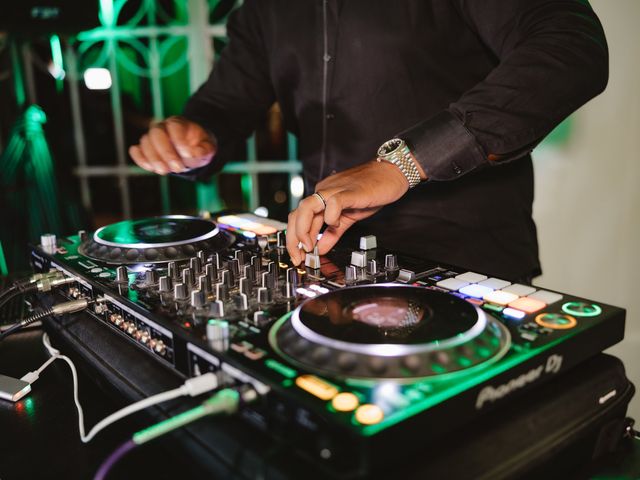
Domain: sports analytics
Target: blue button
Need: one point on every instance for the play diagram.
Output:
(475, 290)
(513, 313)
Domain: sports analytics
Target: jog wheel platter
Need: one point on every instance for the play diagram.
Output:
(389, 332)
(153, 240)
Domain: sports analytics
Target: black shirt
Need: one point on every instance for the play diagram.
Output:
(472, 86)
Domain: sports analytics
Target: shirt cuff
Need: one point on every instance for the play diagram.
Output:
(443, 147)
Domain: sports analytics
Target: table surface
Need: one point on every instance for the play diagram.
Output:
(40, 433)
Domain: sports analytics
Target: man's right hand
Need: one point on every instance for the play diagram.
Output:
(173, 146)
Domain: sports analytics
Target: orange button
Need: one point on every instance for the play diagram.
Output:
(369, 414)
(528, 305)
(345, 402)
(316, 386)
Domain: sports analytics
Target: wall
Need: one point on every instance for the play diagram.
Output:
(587, 203)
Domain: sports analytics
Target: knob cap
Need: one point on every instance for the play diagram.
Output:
(197, 299)
(281, 239)
(48, 241)
(196, 265)
(180, 291)
(240, 256)
(312, 261)
(368, 242)
(122, 275)
(187, 276)
(350, 275)
(165, 284)
(246, 287)
(265, 296)
(218, 334)
(226, 277)
(372, 267)
(172, 270)
(212, 272)
(222, 292)
(151, 277)
(242, 302)
(358, 259)
(247, 272)
(202, 255)
(83, 236)
(204, 283)
(216, 260)
(217, 308)
(391, 261)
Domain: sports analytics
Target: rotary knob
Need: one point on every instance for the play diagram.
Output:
(180, 291)
(196, 265)
(151, 277)
(197, 299)
(122, 275)
(265, 296)
(372, 267)
(164, 284)
(204, 283)
(350, 275)
(218, 334)
(391, 262)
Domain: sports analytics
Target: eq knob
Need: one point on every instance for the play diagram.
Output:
(172, 270)
(197, 299)
(151, 277)
(188, 277)
(122, 275)
(281, 240)
(391, 262)
(202, 255)
(265, 296)
(196, 265)
(180, 291)
(204, 283)
(372, 267)
(368, 242)
(222, 292)
(212, 272)
(246, 286)
(350, 275)
(164, 284)
(217, 309)
(218, 334)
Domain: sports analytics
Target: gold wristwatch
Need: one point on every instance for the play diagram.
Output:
(397, 152)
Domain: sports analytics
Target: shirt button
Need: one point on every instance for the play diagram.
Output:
(456, 169)
(327, 58)
(330, 116)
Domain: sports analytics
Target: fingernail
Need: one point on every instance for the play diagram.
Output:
(177, 166)
(307, 248)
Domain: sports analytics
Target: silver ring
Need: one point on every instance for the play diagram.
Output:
(324, 202)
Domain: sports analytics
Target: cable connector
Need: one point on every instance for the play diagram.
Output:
(46, 284)
(201, 384)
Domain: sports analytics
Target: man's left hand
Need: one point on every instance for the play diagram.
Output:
(351, 196)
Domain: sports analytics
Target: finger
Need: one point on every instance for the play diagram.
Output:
(307, 209)
(292, 240)
(162, 144)
(316, 225)
(157, 164)
(337, 203)
(331, 235)
(138, 157)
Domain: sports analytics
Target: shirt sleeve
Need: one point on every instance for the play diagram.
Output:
(551, 58)
(238, 91)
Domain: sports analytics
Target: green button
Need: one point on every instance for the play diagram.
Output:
(280, 368)
(582, 309)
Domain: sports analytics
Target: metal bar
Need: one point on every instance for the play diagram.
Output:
(252, 160)
(124, 32)
(78, 128)
(156, 97)
(27, 62)
(18, 79)
(275, 166)
(118, 128)
(292, 153)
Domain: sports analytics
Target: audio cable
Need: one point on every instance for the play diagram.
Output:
(37, 282)
(191, 387)
(71, 306)
(225, 401)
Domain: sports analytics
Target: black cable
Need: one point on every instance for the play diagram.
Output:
(8, 291)
(19, 290)
(27, 321)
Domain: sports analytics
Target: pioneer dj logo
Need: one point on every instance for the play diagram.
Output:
(491, 393)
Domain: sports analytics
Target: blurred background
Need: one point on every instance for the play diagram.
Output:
(79, 85)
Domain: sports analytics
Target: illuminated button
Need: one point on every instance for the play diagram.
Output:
(556, 321)
(494, 283)
(493, 307)
(546, 297)
(345, 402)
(474, 301)
(369, 414)
(513, 313)
(316, 386)
(528, 305)
(582, 309)
(475, 290)
(471, 277)
(519, 289)
(452, 284)
(500, 297)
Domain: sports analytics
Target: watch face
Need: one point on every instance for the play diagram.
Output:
(389, 147)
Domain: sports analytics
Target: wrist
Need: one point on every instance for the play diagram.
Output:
(396, 152)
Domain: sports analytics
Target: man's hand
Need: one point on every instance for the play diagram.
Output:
(351, 196)
(174, 145)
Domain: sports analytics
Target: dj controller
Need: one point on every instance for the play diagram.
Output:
(351, 353)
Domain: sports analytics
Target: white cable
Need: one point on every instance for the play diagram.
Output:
(193, 387)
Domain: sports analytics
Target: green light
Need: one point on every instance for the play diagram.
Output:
(581, 309)
(4, 271)
(280, 368)
(464, 362)
(56, 57)
(107, 16)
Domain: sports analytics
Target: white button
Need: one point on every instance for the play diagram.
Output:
(471, 277)
(475, 290)
(500, 297)
(519, 289)
(546, 296)
(452, 284)
(513, 313)
(495, 283)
